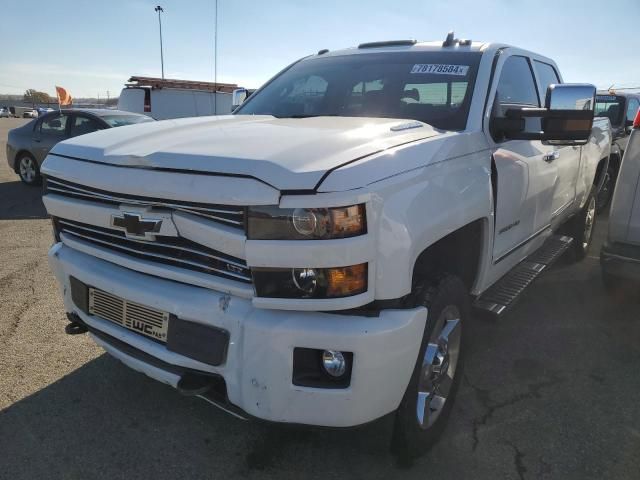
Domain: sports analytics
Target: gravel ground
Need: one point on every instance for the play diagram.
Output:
(550, 390)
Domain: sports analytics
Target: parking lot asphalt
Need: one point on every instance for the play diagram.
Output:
(549, 391)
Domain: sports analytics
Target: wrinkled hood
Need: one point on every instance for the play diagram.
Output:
(287, 153)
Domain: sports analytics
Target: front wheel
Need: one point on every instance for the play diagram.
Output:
(28, 169)
(428, 400)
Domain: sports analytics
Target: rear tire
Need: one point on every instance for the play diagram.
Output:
(28, 170)
(581, 228)
(606, 191)
(427, 402)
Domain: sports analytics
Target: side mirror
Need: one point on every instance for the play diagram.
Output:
(238, 97)
(566, 119)
(569, 117)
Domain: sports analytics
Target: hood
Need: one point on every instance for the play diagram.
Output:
(287, 153)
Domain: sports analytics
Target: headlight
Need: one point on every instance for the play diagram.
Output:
(273, 223)
(310, 282)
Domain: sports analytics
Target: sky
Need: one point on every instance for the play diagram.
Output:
(91, 47)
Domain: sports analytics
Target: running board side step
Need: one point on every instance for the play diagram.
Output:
(502, 295)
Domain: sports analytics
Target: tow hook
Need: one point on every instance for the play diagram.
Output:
(75, 326)
(191, 384)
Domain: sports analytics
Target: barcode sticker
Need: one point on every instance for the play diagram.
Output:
(440, 69)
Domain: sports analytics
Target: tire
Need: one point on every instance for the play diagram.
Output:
(28, 170)
(581, 228)
(416, 430)
(606, 191)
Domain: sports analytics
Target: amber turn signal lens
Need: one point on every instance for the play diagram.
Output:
(345, 281)
(347, 221)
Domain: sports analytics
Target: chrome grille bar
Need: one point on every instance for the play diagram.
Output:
(175, 251)
(155, 243)
(229, 215)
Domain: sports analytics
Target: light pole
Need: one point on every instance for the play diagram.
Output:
(159, 9)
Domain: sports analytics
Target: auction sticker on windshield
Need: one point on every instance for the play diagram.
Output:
(440, 69)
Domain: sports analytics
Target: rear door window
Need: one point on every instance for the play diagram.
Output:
(547, 75)
(55, 126)
(82, 125)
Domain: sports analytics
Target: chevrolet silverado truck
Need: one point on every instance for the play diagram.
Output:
(620, 108)
(314, 257)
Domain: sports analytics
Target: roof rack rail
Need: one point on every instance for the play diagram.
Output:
(388, 43)
(450, 41)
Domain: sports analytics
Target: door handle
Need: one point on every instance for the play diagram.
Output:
(551, 156)
(37, 140)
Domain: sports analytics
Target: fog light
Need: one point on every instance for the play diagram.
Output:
(334, 363)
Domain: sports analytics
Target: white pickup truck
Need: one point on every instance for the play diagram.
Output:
(314, 257)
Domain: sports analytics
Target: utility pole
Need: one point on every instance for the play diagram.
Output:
(107, 97)
(215, 63)
(159, 9)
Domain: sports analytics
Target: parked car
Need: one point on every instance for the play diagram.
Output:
(4, 113)
(620, 108)
(620, 255)
(43, 111)
(18, 112)
(310, 259)
(27, 146)
(30, 114)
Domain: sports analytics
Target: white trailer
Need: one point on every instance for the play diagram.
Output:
(163, 99)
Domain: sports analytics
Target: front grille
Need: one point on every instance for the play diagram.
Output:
(225, 214)
(148, 321)
(175, 251)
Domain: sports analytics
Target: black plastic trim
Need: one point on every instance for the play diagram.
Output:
(388, 43)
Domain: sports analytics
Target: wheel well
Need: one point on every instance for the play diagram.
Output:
(599, 177)
(614, 160)
(458, 253)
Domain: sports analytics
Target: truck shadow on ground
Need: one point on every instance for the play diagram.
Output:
(522, 373)
(21, 202)
(106, 421)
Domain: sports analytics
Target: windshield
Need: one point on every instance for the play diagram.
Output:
(122, 120)
(610, 106)
(432, 87)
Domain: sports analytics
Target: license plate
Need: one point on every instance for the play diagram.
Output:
(139, 318)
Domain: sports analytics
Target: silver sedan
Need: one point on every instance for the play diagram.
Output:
(27, 146)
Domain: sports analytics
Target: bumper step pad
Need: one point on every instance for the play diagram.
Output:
(503, 294)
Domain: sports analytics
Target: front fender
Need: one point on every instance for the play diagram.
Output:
(421, 207)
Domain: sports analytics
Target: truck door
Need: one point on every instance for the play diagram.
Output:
(525, 172)
(566, 158)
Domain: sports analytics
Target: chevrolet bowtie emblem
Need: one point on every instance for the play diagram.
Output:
(135, 226)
